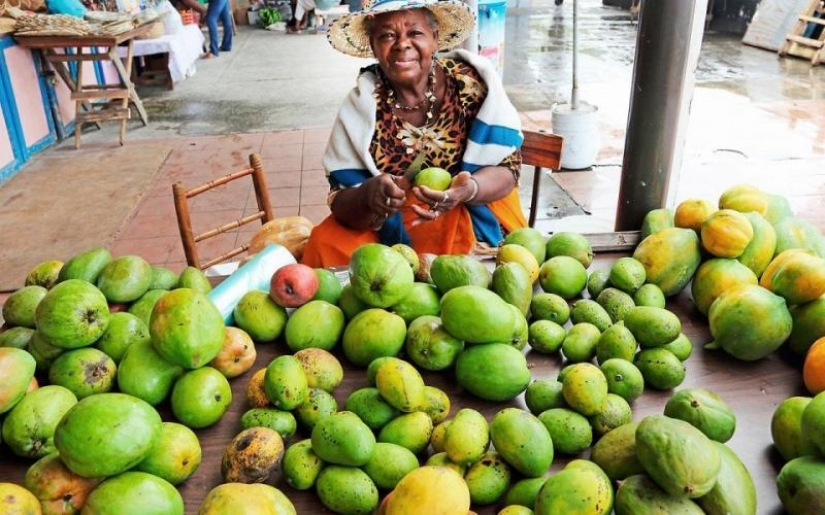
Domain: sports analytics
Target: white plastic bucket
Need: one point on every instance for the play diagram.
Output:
(580, 130)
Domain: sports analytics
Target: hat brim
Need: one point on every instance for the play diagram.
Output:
(348, 34)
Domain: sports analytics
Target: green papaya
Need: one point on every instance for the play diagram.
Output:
(704, 410)
(639, 494)
(734, 492)
(679, 457)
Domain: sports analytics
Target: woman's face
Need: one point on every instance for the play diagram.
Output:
(404, 44)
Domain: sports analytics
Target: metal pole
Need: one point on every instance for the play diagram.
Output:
(574, 96)
(471, 43)
(667, 50)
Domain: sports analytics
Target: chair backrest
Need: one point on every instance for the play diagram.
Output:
(187, 234)
(540, 150)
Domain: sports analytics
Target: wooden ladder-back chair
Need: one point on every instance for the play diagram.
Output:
(540, 150)
(190, 239)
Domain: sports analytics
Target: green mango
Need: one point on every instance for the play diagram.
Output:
(301, 466)
(285, 382)
(163, 279)
(106, 434)
(195, 279)
(590, 311)
(488, 479)
(511, 281)
(524, 492)
(451, 271)
(281, 421)
(125, 278)
(142, 308)
(347, 489)
(124, 329)
(17, 369)
(655, 220)
(523, 441)
(85, 266)
(476, 315)
(17, 337)
(581, 487)
(186, 328)
(800, 484)
(371, 407)
(651, 326)
(29, 427)
(467, 437)
(494, 372)
(134, 493)
(144, 374)
(73, 314)
(343, 439)
(19, 308)
(615, 453)
(389, 463)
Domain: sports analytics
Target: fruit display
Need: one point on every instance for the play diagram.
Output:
(545, 379)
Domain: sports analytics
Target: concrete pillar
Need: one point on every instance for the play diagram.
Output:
(667, 50)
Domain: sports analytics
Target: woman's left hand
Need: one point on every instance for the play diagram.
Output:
(434, 202)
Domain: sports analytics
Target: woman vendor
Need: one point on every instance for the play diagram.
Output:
(451, 108)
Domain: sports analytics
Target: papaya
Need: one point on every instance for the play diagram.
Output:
(692, 212)
(748, 322)
(800, 484)
(704, 410)
(677, 456)
(714, 277)
(252, 455)
(734, 492)
(476, 315)
(799, 278)
(726, 233)
(808, 325)
(762, 247)
(451, 271)
(523, 441)
(778, 208)
(493, 372)
(656, 220)
(640, 494)
(796, 233)
(577, 490)
(615, 453)
(670, 257)
(744, 198)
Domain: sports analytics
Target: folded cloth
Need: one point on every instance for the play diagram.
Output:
(494, 135)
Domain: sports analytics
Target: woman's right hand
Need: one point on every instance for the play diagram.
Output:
(384, 195)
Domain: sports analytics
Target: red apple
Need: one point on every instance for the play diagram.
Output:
(293, 285)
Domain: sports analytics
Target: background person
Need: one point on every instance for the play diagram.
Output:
(218, 10)
(452, 108)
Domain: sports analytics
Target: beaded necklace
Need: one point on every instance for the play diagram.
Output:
(429, 96)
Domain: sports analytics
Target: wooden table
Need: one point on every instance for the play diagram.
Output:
(79, 49)
(752, 389)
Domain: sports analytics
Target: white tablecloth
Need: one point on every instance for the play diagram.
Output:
(184, 48)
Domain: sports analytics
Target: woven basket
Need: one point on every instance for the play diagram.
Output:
(156, 30)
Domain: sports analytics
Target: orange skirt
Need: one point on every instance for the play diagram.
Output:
(332, 244)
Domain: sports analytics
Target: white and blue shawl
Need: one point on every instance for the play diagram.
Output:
(494, 135)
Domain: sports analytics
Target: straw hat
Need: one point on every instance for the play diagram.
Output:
(348, 34)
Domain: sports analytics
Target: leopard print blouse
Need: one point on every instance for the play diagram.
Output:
(396, 143)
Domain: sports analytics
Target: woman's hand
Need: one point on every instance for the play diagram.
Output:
(435, 202)
(384, 196)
